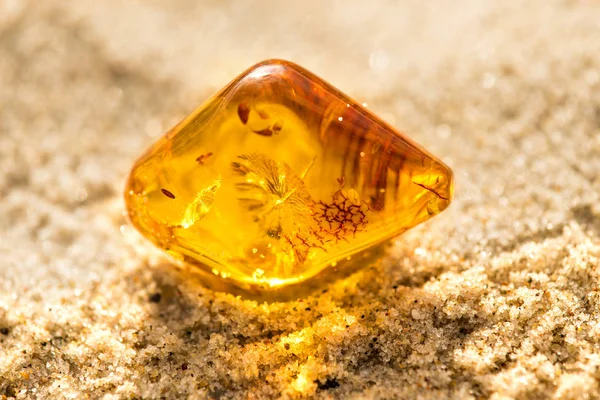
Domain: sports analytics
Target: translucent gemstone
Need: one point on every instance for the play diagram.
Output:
(279, 177)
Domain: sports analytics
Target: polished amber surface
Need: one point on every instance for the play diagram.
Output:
(280, 176)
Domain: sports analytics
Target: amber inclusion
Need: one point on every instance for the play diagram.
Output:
(279, 177)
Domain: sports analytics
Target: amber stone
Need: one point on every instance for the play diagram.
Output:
(279, 177)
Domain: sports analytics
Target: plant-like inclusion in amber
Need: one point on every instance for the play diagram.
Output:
(280, 176)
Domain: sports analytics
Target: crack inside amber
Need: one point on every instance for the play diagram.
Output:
(279, 177)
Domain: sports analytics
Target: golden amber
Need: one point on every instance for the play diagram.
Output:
(279, 177)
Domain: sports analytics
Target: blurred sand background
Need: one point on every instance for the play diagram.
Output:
(495, 298)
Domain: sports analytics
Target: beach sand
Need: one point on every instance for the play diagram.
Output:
(497, 297)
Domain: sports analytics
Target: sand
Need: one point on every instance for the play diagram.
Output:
(495, 298)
